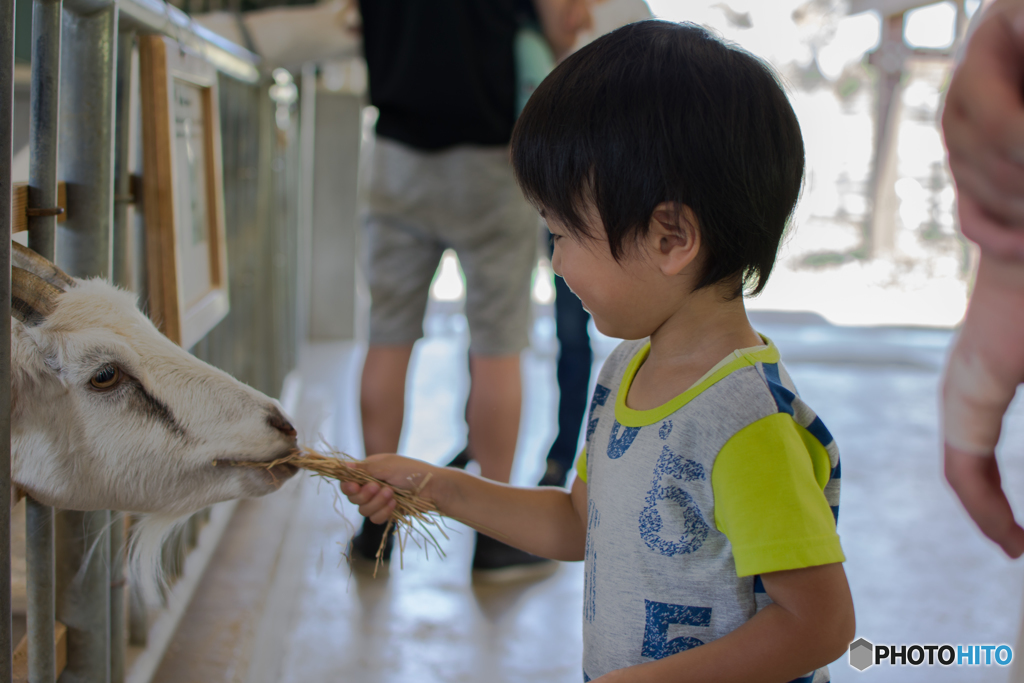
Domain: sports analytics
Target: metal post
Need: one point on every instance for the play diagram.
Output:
(88, 80)
(124, 270)
(88, 77)
(40, 592)
(42, 194)
(124, 275)
(307, 150)
(118, 639)
(42, 169)
(6, 128)
(138, 621)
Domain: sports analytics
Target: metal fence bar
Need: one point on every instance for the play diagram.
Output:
(138, 620)
(6, 132)
(42, 169)
(39, 533)
(88, 77)
(304, 236)
(42, 194)
(124, 272)
(155, 16)
(123, 275)
(118, 640)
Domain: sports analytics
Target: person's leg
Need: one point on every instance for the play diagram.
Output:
(401, 256)
(492, 413)
(382, 397)
(497, 246)
(574, 361)
(382, 406)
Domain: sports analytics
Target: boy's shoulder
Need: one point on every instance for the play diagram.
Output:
(745, 388)
(743, 376)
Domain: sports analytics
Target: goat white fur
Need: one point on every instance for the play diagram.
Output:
(109, 413)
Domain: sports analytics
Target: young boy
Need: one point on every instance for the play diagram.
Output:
(667, 164)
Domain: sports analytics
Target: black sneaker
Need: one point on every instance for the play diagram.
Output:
(367, 542)
(554, 475)
(497, 562)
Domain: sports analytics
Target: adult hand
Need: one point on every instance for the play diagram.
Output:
(983, 126)
(976, 481)
(561, 21)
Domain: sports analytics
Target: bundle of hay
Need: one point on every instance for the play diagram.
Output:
(414, 517)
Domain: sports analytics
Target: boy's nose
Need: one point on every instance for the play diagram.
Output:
(556, 263)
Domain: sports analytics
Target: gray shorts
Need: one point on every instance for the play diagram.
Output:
(466, 199)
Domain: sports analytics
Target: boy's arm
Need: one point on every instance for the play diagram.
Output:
(547, 522)
(809, 624)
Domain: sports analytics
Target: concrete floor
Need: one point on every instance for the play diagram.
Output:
(918, 571)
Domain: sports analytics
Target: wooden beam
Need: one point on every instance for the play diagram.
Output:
(20, 658)
(20, 205)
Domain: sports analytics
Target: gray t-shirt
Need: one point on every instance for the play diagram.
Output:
(661, 577)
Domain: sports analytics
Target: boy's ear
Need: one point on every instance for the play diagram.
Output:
(675, 231)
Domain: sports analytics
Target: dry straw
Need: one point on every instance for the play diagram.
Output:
(414, 518)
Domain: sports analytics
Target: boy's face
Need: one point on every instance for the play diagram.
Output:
(622, 296)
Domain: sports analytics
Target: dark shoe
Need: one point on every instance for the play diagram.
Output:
(497, 562)
(555, 475)
(460, 461)
(367, 542)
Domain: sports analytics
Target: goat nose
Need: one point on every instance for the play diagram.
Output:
(281, 424)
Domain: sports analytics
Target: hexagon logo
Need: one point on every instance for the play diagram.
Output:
(862, 654)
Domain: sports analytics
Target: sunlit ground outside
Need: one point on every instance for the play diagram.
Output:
(828, 264)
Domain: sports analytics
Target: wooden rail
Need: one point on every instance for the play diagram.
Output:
(19, 207)
(20, 657)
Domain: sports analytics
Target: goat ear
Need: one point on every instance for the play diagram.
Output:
(26, 259)
(32, 297)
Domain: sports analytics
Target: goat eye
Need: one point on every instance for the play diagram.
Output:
(106, 377)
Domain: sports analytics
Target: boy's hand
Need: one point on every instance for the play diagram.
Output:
(378, 502)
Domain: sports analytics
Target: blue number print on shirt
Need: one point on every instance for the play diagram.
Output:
(694, 528)
(665, 429)
(601, 394)
(620, 439)
(660, 616)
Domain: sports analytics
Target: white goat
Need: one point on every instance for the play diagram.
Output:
(109, 413)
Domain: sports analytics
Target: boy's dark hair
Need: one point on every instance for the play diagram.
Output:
(661, 112)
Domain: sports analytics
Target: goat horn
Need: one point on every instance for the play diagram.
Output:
(32, 297)
(26, 259)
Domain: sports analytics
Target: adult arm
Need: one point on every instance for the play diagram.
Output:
(983, 126)
(548, 522)
(982, 375)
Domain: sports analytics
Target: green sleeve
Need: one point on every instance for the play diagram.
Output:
(767, 482)
(581, 465)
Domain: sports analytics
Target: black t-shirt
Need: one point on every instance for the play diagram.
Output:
(442, 72)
